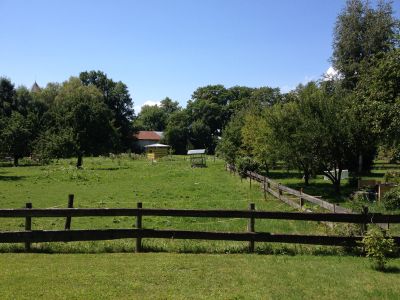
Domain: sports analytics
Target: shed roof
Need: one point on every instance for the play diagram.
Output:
(149, 135)
(157, 146)
(196, 151)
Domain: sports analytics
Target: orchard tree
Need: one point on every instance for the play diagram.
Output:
(15, 136)
(79, 120)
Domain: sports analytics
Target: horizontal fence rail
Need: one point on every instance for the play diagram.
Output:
(198, 213)
(36, 236)
(277, 190)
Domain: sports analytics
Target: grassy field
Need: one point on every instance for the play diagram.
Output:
(121, 182)
(193, 276)
(189, 269)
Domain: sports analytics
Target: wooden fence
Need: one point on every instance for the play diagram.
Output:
(281, 192)
(67, 235)
(298, 198)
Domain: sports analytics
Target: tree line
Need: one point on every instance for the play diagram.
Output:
(325, 125)
(334, 123)
(86, 115)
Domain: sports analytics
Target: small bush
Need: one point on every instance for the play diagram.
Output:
(391, 200)
(378, 246)
(392, 176)
(245, 164)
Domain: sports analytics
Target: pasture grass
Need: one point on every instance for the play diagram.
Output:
(193, 276)
(122, 182)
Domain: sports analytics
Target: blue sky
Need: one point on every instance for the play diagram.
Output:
(169, 48)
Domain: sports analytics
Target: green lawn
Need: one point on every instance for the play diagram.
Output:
(173, 269)
(122, 182)
(193, 276)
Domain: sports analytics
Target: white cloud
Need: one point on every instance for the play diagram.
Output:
(331, 74)
(138, 107)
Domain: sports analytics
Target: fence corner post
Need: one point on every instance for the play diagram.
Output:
(70, 205)
(138, 228)
(251, 226)
(28, 225)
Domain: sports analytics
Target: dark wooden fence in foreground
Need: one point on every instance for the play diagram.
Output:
(36, 236)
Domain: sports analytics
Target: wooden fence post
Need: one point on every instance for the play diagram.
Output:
(301, 199)
(139, 226)
(265, 188)
(251, 226)
(364, 225)
(250, 180)
(28, 225)
(70, 205)
(279, 191)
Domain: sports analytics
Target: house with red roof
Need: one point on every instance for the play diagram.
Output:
(145, 138)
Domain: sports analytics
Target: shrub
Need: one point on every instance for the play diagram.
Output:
(391, 200)
(378, 246)
(392, 176)
(245, 164)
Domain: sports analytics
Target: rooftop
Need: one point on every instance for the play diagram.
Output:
(149, 135)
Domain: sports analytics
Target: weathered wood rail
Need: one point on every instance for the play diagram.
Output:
(278, 190)
(36, 236)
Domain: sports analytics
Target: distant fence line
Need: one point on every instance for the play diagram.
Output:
(279, 191)
(67, 235)
(282, 192)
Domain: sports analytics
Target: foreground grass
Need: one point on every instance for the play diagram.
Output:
(189, 276)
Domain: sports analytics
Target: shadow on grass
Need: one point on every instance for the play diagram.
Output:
(263, 249)
(325, 190)
(391, 269)
(108, 168)
(9, 178)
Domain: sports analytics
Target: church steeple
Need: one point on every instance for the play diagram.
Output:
(35, 88)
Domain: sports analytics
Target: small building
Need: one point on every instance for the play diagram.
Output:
(156, 151)
(145, 138)
(197, 157)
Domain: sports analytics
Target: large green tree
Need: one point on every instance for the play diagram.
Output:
(361, 32)
(79, 123)
(117, 98)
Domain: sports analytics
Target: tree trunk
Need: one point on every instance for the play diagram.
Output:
(15, 161)
(79, 162)
(360, 163)
(336, 186)
(306, 178)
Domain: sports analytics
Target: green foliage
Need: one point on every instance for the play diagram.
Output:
(392, 177)
(15, 136)
(391, 199)
(151, 117)
(378, 246)
(360, 33)
(245, 164)
(229, 147)
(118, 100)
(177, 133)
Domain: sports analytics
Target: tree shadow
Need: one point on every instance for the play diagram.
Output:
(11, 178)
(391, 270)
